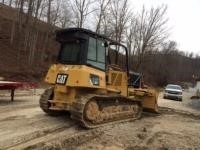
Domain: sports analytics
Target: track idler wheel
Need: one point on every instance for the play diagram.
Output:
(45, 104)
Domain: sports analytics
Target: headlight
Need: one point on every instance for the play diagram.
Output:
(94, 79)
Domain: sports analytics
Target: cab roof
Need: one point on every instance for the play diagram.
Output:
(80, 33)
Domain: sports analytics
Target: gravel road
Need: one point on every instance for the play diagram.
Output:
(23, 125)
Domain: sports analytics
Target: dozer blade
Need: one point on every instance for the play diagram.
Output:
(148, 97)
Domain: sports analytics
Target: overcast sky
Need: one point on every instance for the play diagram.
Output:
(184, 21)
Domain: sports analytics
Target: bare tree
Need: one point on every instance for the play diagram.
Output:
(102, 6)
(38, 7)
(30, 10)
(148, 31)
(81, 9)
(169, 47)
(55, 13)
(41, 10)
(18, 25)
(49, 11)
(10, 2)
(130, 40)
(21, 5)
(121, 15)
(65, 19)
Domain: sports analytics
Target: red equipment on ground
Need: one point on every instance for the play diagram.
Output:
(9, 85)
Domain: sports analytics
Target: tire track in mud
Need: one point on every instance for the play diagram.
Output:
(66, 139)
(19, 103)
(166, 110)
(36, 121)
(20, 112)
(171, 111)
(15, 108)
(20, 140)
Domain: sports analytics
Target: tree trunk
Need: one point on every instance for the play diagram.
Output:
(30, 11)
(12, 32)
(49, 12)
(45, 43)
(10, 3)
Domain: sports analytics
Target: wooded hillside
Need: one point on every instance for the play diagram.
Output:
(27, 44)
(26, 49)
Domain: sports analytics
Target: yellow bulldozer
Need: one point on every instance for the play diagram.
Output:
(91, 80)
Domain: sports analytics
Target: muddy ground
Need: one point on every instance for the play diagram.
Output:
(23, 125)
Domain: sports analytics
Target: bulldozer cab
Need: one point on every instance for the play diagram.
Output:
(83, 47)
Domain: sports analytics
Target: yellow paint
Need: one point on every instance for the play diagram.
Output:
(79, 82)
(78, 75)
(117, 81)
(148, 97)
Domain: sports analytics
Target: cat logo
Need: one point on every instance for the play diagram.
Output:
(61, 78)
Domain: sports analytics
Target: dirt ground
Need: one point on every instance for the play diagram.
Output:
(23, 125)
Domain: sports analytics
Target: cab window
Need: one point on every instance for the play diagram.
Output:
(96, 53)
